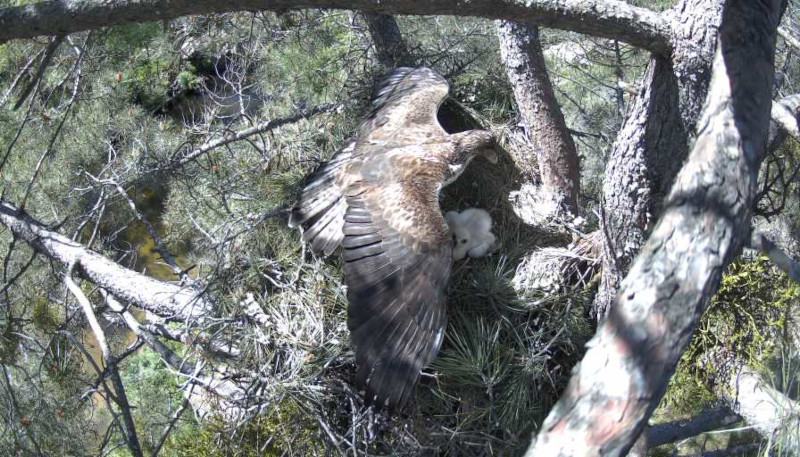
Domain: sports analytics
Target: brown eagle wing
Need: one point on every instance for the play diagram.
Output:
(397, 256)
(404, 108)
(403, 113)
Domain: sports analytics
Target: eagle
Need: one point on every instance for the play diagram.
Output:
(378, 198)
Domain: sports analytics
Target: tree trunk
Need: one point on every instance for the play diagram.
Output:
(705, 222)
(653, 141)
(390, 47)
(521, 52)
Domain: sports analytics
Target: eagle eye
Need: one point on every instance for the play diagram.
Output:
(464, 241)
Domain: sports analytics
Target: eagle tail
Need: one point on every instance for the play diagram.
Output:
(321, 206)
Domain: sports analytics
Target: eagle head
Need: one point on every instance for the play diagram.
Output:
(467, 145)
(476, 142)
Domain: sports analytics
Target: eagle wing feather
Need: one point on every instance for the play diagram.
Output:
(378, 199)
(396, 285)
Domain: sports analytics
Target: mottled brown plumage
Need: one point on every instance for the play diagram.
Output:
(378, 198)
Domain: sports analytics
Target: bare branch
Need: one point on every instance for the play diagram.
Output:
(262, 127)
(159, 297)
(214, 383)
(48, 54)
(169, 357)
(760, 242)
(91, 317)
(110, 363)
(22, 72)
(705, 223)
(784, 120)
(604, 18)
(151, 230)
(67, 112)
(671, 432)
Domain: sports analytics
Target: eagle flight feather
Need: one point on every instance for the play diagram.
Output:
(378, 198)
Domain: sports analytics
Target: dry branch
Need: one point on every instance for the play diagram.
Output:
(261, 127)
(161, 298)
(678, 430)
(785, 113)
(110, 361)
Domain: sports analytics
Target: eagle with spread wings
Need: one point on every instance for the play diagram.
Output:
(378, 198)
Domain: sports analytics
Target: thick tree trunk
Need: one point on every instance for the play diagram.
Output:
(390, 47)
(653, 141)
(521, 52)
(704, 224)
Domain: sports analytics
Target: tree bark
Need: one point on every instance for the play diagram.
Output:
(604, 18)
(705, 222)
(161, 298)
(556, 156)
(653, 141)
(390, 47)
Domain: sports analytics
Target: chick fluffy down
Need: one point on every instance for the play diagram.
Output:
(472, 235)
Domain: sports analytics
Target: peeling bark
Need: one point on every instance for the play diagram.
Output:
(604, 18)
(161, 298)
(556, 156)
(625, 371)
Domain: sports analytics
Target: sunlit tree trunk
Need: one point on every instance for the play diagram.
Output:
(556, 156)
(654, 139)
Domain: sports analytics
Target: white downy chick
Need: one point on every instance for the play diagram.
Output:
(472, 234)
